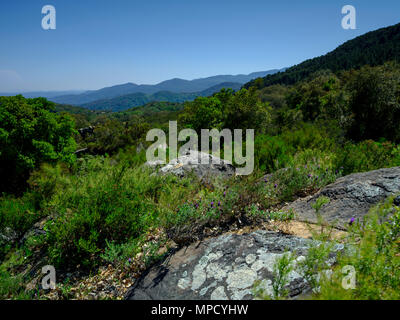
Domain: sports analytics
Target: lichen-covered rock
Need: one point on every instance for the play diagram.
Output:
(38, 229)
(200, 163)
(350, 197)
(8, 236)
(223, 268)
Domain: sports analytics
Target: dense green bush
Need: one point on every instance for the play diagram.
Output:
(272, 153)
(31, 133)
(367, 156)
(276, 152)
(105, 202)
(18, 214)
(374, 253)
(106, 206)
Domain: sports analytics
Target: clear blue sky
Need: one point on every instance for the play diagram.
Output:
(100, 43)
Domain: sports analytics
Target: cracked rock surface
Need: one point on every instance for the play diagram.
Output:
(223, 268)
(350, 197)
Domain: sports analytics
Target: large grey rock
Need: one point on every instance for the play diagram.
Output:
(350, 197)
(38, 229)
(223, 268)
(200, 163)
(8, 236)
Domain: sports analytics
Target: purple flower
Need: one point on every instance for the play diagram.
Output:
(351, 221)
(224, 193)
(309, 175)
(129, 260)
(212, 204)
(219, 203)
(275, 186)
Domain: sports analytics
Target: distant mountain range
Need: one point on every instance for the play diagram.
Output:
(175, 86)
(128, 101)
(373, 48)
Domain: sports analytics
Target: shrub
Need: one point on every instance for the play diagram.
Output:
(373, 250)
(272, 153)
(18, 214)
(281, 270)
(288, 184)
(109, 203)
(12, 287)
(366, 156)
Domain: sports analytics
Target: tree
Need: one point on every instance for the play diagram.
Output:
(375, 103)
(203, 113)
(245, 111)
(31, 132)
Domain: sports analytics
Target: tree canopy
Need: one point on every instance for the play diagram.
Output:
(31, 133)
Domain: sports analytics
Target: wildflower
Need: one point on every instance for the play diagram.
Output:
(212, 204)
(275, 186)
(224, 193)
(351, 221)
(129, 260)
(219, 203)
(309, 175)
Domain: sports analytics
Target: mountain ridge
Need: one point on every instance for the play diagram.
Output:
(175, 85)
(372, 48)
(124, 102)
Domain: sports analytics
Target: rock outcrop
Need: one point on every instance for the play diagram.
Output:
(350, 197)
(8, 236)
(200, 163)
(224, 268)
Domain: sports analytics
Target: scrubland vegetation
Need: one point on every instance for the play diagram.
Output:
(100, 207)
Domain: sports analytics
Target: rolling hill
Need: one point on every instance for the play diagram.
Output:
(125, 102)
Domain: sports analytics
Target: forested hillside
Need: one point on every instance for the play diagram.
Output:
(373, 48)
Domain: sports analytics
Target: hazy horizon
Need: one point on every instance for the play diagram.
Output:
(130, 82)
